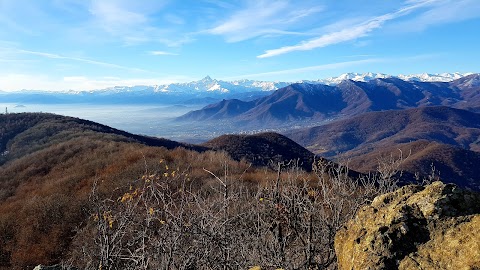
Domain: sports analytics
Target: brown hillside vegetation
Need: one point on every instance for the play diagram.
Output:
(260, 149)
(448, 163)
(25, 133)
(44, 195)
(50, 165)
(367, 132)
(85, 195)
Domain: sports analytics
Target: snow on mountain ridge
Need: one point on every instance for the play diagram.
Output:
(365, 77)
(360, 77)
(208, 84)
(438, 77)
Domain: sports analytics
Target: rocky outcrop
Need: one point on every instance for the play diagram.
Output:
(415, 227)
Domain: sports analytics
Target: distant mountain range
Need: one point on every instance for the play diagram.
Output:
(208, 84)
(206, 89)
(202, 91)
(365, 77)
(306, 101)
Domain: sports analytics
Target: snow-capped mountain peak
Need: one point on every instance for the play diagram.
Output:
(210, 85)
(359, 77)
(437, 77)
(207, 79)
(365, 77)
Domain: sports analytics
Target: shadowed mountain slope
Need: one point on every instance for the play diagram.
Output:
(370, 131)
(448, 163)
(304, 101)
(24, 133)
(223, 109)
(297, 101)
(260, 149)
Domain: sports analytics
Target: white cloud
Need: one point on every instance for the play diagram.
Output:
(133, 22)
(162, 53)
(117, 15)
(77, 59)
(308, 69)
(340, 65)
(346, 34)
(13, 82)
(261, 18)
(174, 19)
(442, 12)
(80, 83)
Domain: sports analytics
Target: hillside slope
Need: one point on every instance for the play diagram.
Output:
(447, 163)
(51, 163)
(260, 149)
(223, 109)
(24, 133)
(370, 131)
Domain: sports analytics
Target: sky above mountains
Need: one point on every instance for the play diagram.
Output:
(92, 44)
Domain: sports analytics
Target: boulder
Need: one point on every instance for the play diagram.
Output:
(415, 227)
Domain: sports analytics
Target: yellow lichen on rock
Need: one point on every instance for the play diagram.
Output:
(453, 247)
(415, 227)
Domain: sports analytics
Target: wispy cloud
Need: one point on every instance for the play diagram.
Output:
(330, 66)
(87, 83)
(77, 59)
(135, 22)
(341, 65)
(442, 12)
(347, 34)
(118, 16)
(161, 53)
(18, 81)
(9, 23)
(262, 18)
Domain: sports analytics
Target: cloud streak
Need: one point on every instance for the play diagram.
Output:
(442, 12)
(135, 22)
(308, 69)
(338, 65)
(77, 59)
(263, 18)
(346, 34)
(12, 82)
(120, 16)
(159, 53)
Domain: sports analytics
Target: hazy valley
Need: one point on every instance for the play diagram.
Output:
(190, 112)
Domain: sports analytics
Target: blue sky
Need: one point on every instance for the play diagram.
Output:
(92, 44)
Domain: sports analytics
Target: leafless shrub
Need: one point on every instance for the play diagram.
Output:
(164, 221)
